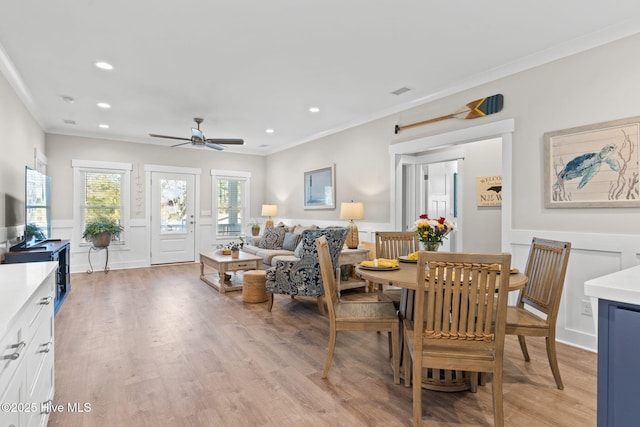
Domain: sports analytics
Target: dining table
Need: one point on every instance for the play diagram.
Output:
(405, 276)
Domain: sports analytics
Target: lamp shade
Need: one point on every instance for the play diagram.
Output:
(351, 210)
(269, 210)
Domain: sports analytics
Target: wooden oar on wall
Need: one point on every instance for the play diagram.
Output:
(478, 108)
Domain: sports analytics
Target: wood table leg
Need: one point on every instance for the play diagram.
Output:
(222, 278)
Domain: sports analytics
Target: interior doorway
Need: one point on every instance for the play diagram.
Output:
(438, 195)
(445, 147)
(431, 187)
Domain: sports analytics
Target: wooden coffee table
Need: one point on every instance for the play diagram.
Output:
(224, 264)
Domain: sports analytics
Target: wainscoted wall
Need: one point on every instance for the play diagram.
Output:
(592, 255)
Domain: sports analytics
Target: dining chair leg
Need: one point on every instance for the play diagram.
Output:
(332, 345)
(473, 381)
(395, 350)
(523, 347)
(553, 360)
(321, 305)
(417, 391)
(498, 408)
(406, 364)
(270, 306)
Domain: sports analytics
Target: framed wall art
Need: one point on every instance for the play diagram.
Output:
(593, 166)
(489, 190)
(319, 188)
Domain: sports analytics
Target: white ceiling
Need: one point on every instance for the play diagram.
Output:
(248, 65)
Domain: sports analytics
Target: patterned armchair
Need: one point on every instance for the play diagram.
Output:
(302, 277)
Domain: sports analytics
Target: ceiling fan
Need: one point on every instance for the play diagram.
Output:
(198, 139)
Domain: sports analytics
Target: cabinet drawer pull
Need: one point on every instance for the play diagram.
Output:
(46, 300)
(19, 348)
(47, 348)
(242, 265)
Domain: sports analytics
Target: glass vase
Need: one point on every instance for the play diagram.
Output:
(431, 246)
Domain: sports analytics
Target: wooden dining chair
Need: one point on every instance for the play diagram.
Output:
(546, 270)
(453, 326)
(355, 315)
(391, 245)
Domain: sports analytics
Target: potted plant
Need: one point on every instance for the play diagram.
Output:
(235, 247)
(255, 227)
(101, 232)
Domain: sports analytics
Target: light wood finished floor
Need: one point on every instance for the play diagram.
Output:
(158, 347)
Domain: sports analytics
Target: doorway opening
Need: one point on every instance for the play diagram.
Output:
(465, 149)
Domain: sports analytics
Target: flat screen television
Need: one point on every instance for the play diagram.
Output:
(37, 206)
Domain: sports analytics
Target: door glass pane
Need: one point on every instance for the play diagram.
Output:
(173, 206)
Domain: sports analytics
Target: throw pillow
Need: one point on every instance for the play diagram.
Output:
(272, 238)
(290, 241)
(298, 229)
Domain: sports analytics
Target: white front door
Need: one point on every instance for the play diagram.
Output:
(172, 217)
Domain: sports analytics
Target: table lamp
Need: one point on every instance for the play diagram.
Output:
(352, 210)
(269, 210)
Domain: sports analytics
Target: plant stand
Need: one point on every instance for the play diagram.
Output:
(106, 263)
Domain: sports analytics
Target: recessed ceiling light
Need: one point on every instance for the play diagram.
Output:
(269, 131)
(104, 65)
(103, 126)
(314, 109)
(103, 105)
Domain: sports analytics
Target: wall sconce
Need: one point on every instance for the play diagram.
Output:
(269, 210)
(352, 210)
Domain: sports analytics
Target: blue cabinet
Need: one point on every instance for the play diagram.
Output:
(618, 364)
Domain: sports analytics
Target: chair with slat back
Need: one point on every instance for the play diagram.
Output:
(355, 315)
(455, 329)
(546, 270)
(391, 245)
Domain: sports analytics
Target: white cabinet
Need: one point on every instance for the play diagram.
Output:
(26, 343)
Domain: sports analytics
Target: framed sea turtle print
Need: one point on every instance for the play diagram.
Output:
(593, 166)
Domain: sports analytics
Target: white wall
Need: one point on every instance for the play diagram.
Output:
(20, 135)
(481, 223)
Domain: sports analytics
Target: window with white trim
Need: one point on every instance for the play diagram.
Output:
(230, 203)
(101, 192)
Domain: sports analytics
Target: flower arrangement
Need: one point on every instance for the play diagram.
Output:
(235, 246)
(433, 231)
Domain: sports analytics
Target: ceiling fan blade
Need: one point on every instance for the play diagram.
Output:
(214, 146)
(169, 137)
(184, 143)
(228, 141)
